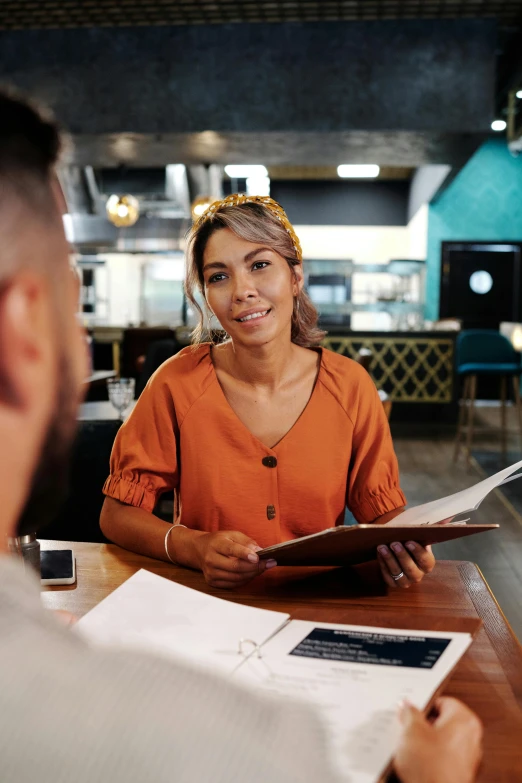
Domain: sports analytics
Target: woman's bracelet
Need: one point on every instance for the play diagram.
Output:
(169, 531)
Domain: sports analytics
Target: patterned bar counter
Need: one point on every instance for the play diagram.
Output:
(411, 367)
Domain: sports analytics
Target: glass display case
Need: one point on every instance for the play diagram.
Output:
(123, 289)
(385, 297)
(162, 298)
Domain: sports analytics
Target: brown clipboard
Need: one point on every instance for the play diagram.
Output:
(340, 546)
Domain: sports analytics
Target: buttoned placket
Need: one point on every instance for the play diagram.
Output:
(270, 463)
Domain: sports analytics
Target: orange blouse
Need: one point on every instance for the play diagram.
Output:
(183, 435)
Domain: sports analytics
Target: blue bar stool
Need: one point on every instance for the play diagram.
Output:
(485, 352)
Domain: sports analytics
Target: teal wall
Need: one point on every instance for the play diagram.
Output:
(483, 202)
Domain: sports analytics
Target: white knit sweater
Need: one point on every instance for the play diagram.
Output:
(73, 714)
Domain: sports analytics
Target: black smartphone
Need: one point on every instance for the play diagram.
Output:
(57, 567)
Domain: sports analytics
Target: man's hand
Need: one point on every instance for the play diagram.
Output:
(229, 559)
(65, 617)
(444, 750)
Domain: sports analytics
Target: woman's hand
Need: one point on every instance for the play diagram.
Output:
(410, 561)
(444, 750)
(229, 559)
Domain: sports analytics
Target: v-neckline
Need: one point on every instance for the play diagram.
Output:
(244, 426)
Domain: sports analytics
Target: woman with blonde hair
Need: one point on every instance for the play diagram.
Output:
(264, 437)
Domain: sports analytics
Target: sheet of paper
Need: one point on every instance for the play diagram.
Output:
(152, 613)
(453, 505)
(356, 676)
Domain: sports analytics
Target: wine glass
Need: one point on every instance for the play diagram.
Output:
(121, 393)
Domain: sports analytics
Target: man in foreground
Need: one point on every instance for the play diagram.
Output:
(69, 712)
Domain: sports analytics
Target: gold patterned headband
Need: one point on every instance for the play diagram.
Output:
(236, 199)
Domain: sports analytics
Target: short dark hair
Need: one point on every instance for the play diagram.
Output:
(30, 139)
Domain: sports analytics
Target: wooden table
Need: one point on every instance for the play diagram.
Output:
(488, 678)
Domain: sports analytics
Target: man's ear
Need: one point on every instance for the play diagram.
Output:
(26, 339)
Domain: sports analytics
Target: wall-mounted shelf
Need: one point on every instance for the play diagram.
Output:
(392, 307)
(403, 267)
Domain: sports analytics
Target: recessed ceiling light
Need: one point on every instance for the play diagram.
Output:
(358, 170)
(519, 94)
(243, 171)
(498, 125)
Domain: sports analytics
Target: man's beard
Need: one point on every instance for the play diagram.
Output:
(51, 477)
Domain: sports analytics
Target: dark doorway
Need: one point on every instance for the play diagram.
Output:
(480, 283)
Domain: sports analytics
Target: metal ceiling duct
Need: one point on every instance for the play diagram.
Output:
(164, 221)
(148, 235)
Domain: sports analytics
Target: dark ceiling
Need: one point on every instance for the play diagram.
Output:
(69, 14)
(399, 149)
(34, 14)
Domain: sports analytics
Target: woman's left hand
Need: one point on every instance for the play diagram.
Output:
(405, 565)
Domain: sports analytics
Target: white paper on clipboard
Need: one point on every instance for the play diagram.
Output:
(460, 503)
